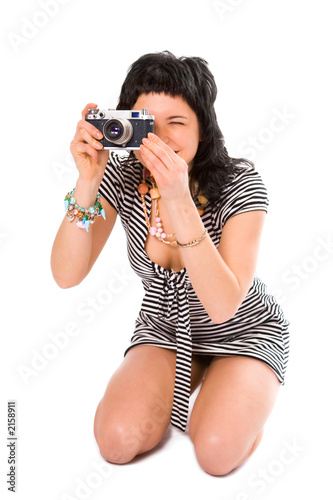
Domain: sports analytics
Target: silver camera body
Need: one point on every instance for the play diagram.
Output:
(121, 129)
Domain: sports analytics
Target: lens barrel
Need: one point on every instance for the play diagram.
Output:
(118, 131)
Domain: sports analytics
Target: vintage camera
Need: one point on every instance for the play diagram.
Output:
(121, 129)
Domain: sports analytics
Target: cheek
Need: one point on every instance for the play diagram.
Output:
(193, 143)
(190, 139)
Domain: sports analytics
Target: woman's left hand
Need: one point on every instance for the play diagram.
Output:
(169, 170)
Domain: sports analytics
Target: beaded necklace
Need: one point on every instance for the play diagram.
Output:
(158, 230)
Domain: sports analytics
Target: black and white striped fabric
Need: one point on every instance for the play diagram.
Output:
(171, 315)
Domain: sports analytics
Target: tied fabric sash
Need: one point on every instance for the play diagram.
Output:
(166, 297)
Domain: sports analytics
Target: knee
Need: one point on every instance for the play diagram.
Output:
(117, 444)
(217, 455)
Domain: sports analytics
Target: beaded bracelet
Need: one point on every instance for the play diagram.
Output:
(85, 216)
(194, 242)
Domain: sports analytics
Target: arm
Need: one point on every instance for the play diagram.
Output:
(75, 250)
(220, 277)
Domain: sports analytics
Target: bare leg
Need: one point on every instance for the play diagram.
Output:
(229, 414)
(135, 411)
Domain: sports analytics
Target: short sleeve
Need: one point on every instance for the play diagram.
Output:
(112, 187)
(245, 193)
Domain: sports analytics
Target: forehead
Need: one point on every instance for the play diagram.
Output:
(163, 104)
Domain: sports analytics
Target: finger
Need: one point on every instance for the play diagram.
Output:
(152, 163)
(83, 148)
(93, 131)
(157, 155)
(151, 154)
(156, 140)
(85, 110)
(84, 135)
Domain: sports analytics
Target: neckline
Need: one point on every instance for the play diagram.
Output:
(163, 269)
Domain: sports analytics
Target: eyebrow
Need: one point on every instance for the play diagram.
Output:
(177, 116)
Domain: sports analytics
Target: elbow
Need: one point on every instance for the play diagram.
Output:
(64, 283)
(222, 315)
(64, 276)
(218, 319)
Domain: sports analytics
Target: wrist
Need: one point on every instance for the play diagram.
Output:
(86, 192)
(84, 216)
(186, 221)
(185, 206)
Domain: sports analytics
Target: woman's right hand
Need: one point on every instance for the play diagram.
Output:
(88, 153)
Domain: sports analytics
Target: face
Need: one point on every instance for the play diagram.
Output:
(176, 124)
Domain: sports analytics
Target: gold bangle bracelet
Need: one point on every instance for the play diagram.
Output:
(194, 242)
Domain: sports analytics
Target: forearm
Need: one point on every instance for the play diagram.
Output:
(75, 250)
(72, 246)
(214, 283)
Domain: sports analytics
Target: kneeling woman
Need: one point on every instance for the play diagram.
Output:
(193, 218)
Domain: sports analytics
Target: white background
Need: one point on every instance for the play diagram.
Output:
(269, 58)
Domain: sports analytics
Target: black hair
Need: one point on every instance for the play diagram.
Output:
(191, 79)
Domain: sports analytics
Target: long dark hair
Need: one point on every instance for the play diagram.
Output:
(191, 79)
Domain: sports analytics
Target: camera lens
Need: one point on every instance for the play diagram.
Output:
(118, 131)
(114, 129)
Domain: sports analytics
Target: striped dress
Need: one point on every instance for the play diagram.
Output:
(171, 315)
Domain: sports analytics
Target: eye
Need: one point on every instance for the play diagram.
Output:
(176, 123)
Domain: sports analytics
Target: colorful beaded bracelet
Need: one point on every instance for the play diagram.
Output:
(85, 216)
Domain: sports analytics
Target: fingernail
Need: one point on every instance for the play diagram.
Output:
(143, 148)
(145, 140)
(151, 135)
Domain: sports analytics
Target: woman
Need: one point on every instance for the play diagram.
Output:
(193, 217)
